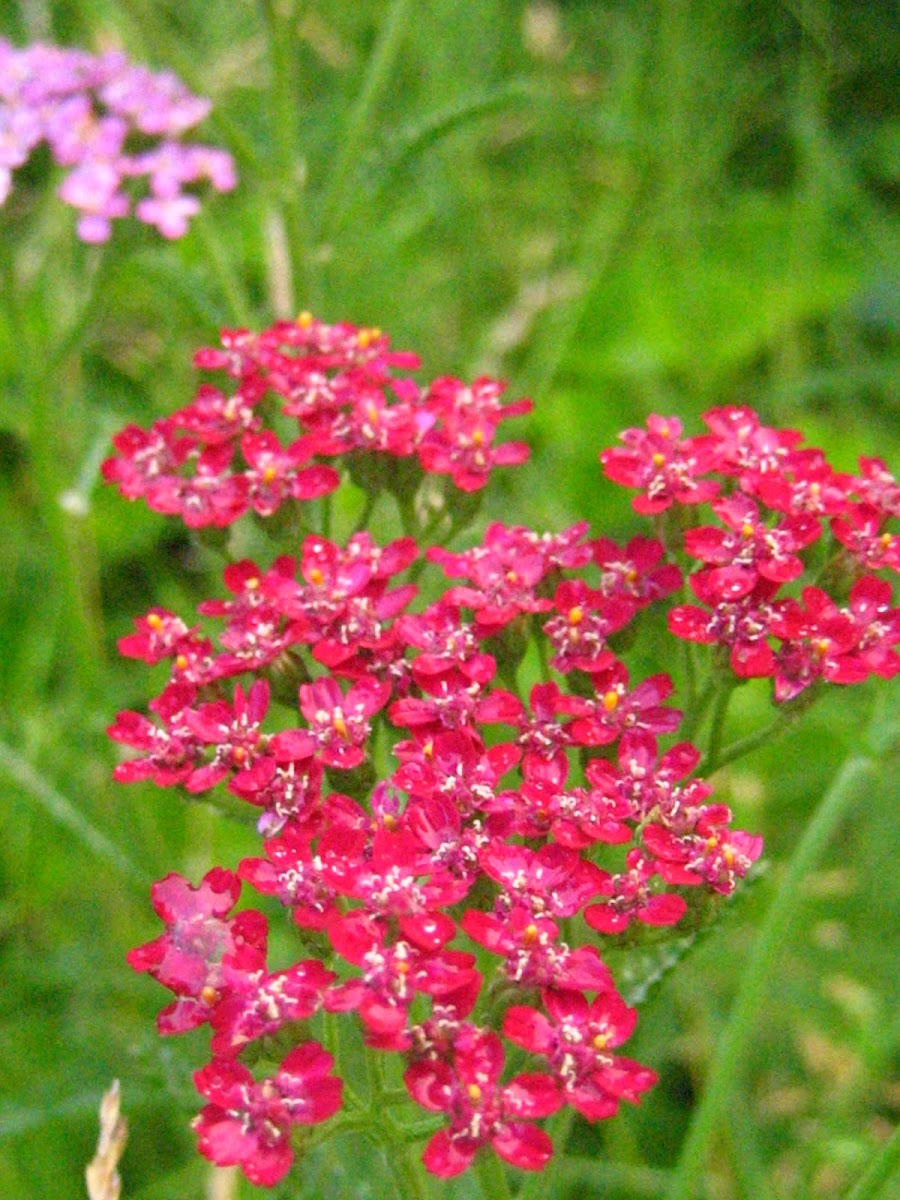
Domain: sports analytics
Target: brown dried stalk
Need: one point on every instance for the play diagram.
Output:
(101, 1176)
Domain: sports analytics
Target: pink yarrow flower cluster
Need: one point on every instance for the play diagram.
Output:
(783, 514)
(461, 833)
(227, 453)
(108, 122)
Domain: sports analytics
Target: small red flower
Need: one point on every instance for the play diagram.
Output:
(749, 545)
(200, 942)
(257, 1003)
(861, 529)
(631, 897)
(666, 467)
(248, 1122)
(481, 1110)
(339, 723)
(577, 1038)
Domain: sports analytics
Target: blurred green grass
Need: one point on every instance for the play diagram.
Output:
(622, 207)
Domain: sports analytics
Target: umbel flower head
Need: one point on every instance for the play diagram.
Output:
(465, 801)
(107, 122)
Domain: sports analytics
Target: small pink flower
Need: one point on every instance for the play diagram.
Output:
(256, 1003)
(553, 881)
(744, 444)
(232, 730)
(632, 898)
(481, 1110)
(248, 1122)
(751, 546)
(339, 723)
(200, 942)
(576, 1038)
(862, 530)
(666, 468)
(534, 957)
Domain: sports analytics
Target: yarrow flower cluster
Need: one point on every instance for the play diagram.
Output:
(108, 122)
(459, 852)
(305, 391)
(775, 500)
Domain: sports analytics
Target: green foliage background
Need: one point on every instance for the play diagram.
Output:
(624, 207)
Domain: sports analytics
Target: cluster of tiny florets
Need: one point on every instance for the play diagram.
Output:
(780, 507)
(305, 393)
(460, 852)
(108, 122)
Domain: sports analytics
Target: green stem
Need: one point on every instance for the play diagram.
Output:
(690, 675)
(879, 1172)
(355, 131)
(406, 1168)
(365, 516)
(734, 1044)
(693, 717)
(327, 511)
(746, 745)
(717, 727)
(72, 551)
(283, 108)
(543, 657)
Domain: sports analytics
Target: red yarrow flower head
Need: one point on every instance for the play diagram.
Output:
(749, 544)
(200, 943)
(664, 466)
(576, 1037)
(630, 897)
(340, 723)
(248, 1122)
(482, 1111)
